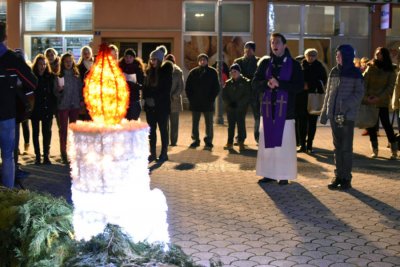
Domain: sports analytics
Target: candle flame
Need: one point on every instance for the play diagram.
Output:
(106, 92)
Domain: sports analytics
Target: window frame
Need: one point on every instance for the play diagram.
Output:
(59, 25)
(215, 32)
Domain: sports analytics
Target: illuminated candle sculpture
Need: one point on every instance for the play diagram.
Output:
(110, 178)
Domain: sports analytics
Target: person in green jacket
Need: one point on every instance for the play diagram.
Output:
(379, 80)
(236, 95)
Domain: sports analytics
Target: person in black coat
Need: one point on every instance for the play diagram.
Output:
(156, 94)
(133, 69)
(44, 108)
(202, 87)
(315, 78)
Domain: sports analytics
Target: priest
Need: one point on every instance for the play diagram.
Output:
(278, 79)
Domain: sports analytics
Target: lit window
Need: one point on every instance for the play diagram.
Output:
(230, 15)
(40, 16)
(76, 16)
(200, 17)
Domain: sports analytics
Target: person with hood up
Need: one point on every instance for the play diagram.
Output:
(344, 92)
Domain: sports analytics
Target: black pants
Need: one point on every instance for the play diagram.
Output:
(208, 117)
(384, 117)
(307, 126)
(236, 118)
(46, 133)
(133, 111)
(343, 151)
(161, 119)
(25, 131)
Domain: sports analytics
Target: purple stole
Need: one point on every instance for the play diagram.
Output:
(274, 113)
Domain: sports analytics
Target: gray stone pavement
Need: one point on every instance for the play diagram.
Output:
(217, 211)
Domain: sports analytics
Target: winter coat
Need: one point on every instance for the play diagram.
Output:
(202, 87)
(45, 100)
(248, 67)
(236, 94)
(157, 98)
(71, 97)
(396, 94)
(293, 86)
(343, 95)
(134, 88)
(315, 76)
(177, 89)
(12, 69)
(379, 83)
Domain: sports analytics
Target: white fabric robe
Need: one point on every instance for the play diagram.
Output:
(278, 163)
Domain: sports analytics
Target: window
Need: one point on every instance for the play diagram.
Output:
(3, 10)
(230, 15)
(40, 16)
(58, 16)
(395, 30)
(200, 17)
(284, 18)
(76, 16)
(319, 20)
(353, 20)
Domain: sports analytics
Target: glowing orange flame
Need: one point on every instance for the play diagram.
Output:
(106, 92)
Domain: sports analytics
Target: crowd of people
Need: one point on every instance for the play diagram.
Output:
(275, 87)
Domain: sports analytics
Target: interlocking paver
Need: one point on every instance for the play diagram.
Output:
(299, 259)
(217, 209)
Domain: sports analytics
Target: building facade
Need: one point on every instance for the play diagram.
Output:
(190, 27)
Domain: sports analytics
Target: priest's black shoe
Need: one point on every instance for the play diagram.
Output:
(301, 149)
(283, 182)
(266, 180)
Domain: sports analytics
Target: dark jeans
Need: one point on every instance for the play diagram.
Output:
(256, 108)
(306, 128)
(384, 117)
(208, 117)
(66, 116)
(343, 151)
(173, 127)
(236, 118)
(46, 133)
(133, 111)
(161, 119)
(7, 146)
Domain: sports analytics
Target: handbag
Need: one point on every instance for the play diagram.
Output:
(315, 103)
(367, 116)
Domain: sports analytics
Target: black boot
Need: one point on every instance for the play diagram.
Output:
(345, 185)
(37, 160)
(334, 185)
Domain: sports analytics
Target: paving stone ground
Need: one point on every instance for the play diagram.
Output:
(218, 211)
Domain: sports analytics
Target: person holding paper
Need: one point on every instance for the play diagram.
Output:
(133, 69)
(68, 90)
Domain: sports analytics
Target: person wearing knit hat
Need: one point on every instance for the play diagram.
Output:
(202, 88)
(344, 92)
(157, 54)
(130, 52)
(248, 66)
(163, 48)
(236, 95)
(250, 45)
(236, 67)
(157, 102)
(133, 69)
(202, 55)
